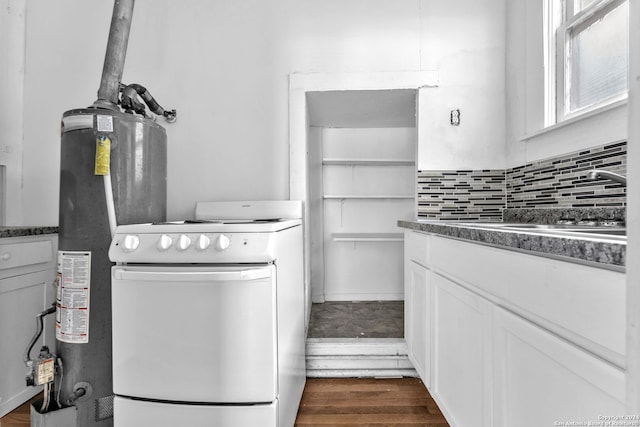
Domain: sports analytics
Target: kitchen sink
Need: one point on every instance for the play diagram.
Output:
(594, 229)
(611, 231)
(557, 229)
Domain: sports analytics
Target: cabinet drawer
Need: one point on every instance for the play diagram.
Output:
(583, 304)
(25, 254)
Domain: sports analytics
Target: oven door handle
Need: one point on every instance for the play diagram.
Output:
(193, 276)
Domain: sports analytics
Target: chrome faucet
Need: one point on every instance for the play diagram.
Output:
(603, 174)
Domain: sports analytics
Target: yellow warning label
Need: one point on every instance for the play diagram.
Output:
(103, 155)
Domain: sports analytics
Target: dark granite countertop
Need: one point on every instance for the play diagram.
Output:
(22, 231)
(603, 251)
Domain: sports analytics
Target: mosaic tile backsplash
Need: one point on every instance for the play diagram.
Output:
(558, 182)
(462, 194)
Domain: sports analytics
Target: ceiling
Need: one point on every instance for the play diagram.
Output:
(362, 108)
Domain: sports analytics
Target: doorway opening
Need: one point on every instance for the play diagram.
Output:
(353, 145)
(353, 148)
(361, 150)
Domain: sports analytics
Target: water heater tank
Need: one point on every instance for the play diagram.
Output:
(137, 159)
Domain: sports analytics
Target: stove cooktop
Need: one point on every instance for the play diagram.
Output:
(220, 221)
(193, 227)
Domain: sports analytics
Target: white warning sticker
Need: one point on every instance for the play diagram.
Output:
(104, 123)
(46, 371)
(72, 296)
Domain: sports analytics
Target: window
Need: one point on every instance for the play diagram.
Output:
(586, 56)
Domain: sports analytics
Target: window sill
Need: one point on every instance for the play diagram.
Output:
(576, 119)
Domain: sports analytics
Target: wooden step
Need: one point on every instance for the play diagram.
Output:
(358, 358)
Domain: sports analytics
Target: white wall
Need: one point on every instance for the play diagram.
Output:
(12, 17)
(65, 46)
(224, 66)
(465, 42)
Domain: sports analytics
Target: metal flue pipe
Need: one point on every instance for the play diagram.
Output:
(108, 92)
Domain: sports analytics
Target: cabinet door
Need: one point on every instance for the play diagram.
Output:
(20, 255)
(461, 354)
(543, 380)
(21, 298)
(418, 316)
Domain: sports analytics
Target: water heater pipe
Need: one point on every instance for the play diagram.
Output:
(109, 90)
(40, 323)
(111, 208)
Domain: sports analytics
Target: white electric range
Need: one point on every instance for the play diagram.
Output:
(208, 318)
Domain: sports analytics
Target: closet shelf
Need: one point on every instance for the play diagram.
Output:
(368, 162)
(360, 196)
(367, 237)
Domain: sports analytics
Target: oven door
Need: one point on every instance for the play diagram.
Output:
(194, 333)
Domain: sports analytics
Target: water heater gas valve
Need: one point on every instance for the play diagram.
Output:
(43, 369)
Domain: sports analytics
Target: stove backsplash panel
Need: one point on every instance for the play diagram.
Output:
(558, 182)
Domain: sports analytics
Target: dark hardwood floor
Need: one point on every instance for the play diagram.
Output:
(19, 417)
(400, 402)
(368, 402)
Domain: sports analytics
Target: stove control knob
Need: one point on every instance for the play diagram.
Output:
(222, 243)
(165, 242)
(130, 243)
(183, 243)
(203, 242)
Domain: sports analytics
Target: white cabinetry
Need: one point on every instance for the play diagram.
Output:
(543, 380)
(583, 304)
(417, 307)
(418, 315)
(27, 271)
(509, 339)
(461, 353)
